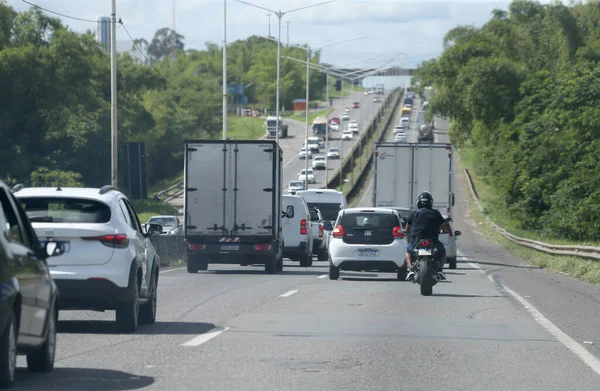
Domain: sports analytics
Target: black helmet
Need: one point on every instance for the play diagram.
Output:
(425, 200)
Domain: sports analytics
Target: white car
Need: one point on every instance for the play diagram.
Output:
(400, 137)
(334, 126)
(353, 127)
(321, 143)
(313, 144)
(346, 117)
(405, 123)
(307, 176)
(333, 153)
(297, 231)
(109, 261)
(398, 129)
(347, 134)
(448, 239)
(367, 239)
(319, 163)
(304, 153)
(295, 186)
(353, 122)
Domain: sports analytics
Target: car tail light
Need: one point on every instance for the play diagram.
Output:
(115, 241)
(320, 230)
(338, 232)
(196, 247)
(425, 243)
(262, 247)
(398, 232)
(450, 233)
(303, 227)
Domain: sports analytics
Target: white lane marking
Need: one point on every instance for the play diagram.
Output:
(577, 349)
(205, 337)
(288, 294)
(588, 358)
(172, 270)
(322, 276)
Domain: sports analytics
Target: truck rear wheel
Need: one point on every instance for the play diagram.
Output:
(271, 264)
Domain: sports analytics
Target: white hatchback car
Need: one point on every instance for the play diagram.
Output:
(347, 134)
(400, 137)
(319, 163)
(447, 239)
(109, 262)
(367, 239)
(305, 176)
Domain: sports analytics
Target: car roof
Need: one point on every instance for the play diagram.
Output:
(373, 210)
(72, 192)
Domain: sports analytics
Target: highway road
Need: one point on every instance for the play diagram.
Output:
(291, 146)
(497, 323)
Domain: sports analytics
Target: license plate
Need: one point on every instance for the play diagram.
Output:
(368, 233)
(230, 247)
(368, 253)
(424, 251)
(65, 243)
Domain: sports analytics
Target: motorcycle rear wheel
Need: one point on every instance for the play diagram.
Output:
(425, 278)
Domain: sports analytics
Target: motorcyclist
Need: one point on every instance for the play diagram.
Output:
(425, 223)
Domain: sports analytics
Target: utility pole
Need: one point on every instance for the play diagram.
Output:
(224, 69)
(114, 146)
(288, 33)
(174, 15)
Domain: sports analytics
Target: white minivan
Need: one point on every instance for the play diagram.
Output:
(297, 231)
(328, 201)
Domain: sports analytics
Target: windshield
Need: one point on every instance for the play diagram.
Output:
(65, 210)
(272, 123)
(164, 221)
(329, 211)
(296, 184)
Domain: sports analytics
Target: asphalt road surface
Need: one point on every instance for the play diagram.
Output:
(496, 324)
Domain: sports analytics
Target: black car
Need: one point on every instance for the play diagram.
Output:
(28, 295)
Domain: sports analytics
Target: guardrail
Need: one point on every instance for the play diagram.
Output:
(348, 163)
(589, 252)
(170, 248)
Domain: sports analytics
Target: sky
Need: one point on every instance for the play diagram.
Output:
(405, 32)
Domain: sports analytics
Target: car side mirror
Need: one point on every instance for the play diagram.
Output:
(53, 249)
(328, 226)
(457, 233)
(153, 229)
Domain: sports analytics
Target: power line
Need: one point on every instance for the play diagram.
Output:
(58, 13)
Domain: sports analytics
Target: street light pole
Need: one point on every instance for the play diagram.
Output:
(280, 15)
(224, 69)
(306, 139)
(114, 139)
(288, 32)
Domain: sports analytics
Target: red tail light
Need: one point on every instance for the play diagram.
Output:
(398, 232)
(425, 243)
(116, 241)
(303, 227)
(320, 230)
(196, 247)
(338, 232)
(262, 247)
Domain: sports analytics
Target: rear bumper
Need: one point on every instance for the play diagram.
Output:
(216, 253)
(97, 295)
(367, 266)
(296, 253)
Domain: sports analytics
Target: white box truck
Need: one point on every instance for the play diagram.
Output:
(232, 203)
(402, 171)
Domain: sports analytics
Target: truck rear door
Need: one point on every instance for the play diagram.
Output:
(393, 176)
(433, 172)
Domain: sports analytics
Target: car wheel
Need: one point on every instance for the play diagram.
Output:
(8, 352)
(271, 264)
(42, 360)
(192, 265)
(304, 261)
(402, 273)
(322, 256)
(128, 312)
(334, 272)
(452, 263)
(148, 309)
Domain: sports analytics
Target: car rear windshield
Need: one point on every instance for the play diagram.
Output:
(329, 211)
(164, 221)
(65, 210)
(369, 228)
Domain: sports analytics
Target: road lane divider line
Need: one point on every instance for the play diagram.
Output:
(289, 293)
(205, 337)
(575, 347)
(322, 276)
(171, 270)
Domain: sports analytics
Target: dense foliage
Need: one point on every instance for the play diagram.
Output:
(55, 101)
(524, 90)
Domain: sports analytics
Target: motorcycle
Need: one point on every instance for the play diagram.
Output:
(426, 266)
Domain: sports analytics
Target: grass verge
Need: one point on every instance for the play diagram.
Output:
(245, 128)
(148, 208)
(301, 116)
(585, 269)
